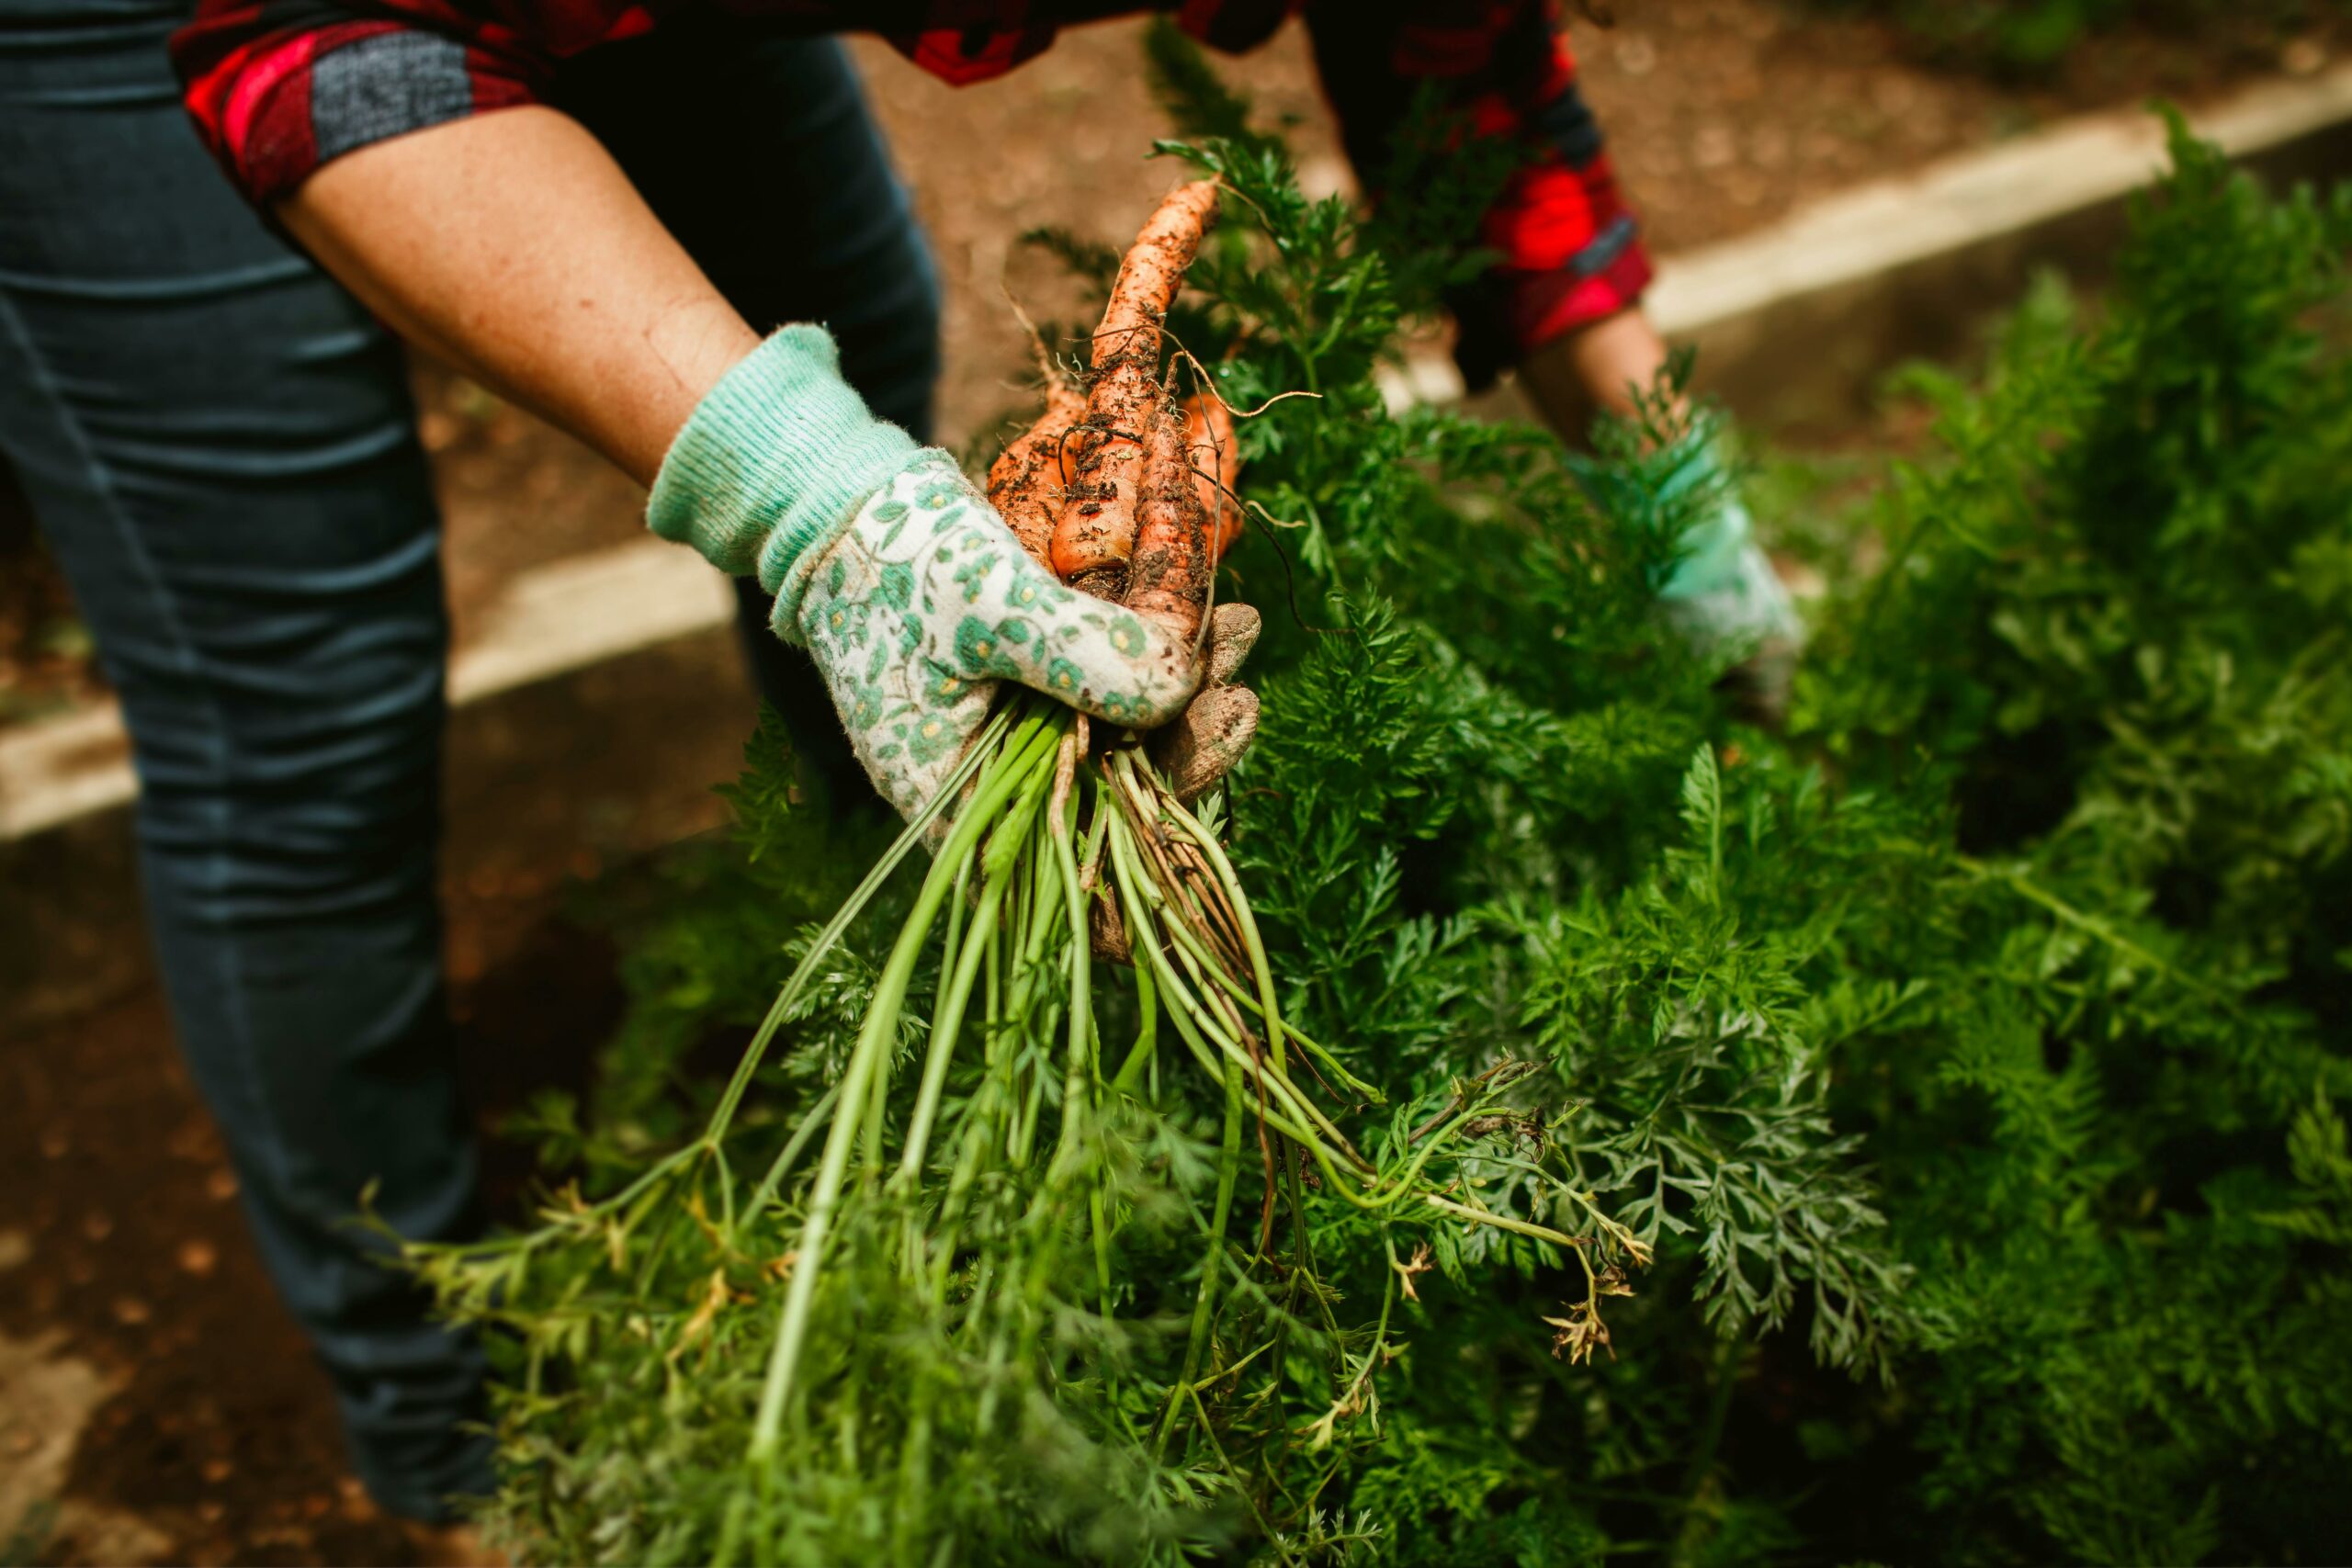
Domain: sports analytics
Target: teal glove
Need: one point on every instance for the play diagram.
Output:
(1724, 592)
(908, 592)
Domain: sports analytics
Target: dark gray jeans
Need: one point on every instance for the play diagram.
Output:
(217, 443)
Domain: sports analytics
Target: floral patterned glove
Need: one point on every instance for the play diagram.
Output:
(910, 592)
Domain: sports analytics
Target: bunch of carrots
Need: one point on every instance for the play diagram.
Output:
(961, 1254)
(1131, 517)
(1046, 831)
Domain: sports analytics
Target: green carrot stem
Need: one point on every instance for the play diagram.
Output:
(1032, 1107)
(1215, 854)
(986, 747)
(1250, 999)
(1059, 835)
(947, 1022)
(1151, 959)
(974, 1139)
(726, 1191)
(1090, 870)
(1280, 1088)
(1350, 1399)
(914, 1467)
(1192, 1023)
(1208, 1429)
(1027, 928)
(1403, 1184)
(731, 1529)
(1499, 1222)
(1038, 736)
(992, 1378)
(1000, 869)
(1295, 1101)
(1146, 1033)
(1210, 970)
(998, 860)
(1228, 1171)
(1102, 1251)
(1568, 1190)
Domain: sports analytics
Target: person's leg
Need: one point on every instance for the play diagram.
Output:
(217, 443)
(760, 155)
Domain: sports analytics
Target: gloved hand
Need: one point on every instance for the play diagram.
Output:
(1724, 592)
(906, 587)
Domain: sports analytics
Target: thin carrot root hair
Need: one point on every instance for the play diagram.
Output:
(1217, 468)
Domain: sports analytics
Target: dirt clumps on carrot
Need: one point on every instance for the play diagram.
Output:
(1168, 575)
(1128, 493)
(1026, 481)
(1096, 534)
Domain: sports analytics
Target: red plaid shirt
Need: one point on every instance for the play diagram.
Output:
(278, 88)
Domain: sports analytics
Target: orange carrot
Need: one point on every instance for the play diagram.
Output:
(1097, 530)
(1168, 577)
(1026, 481)
(1216, 467)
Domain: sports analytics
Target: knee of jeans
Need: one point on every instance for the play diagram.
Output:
(248, 851)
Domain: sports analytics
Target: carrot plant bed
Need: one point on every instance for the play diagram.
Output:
(1529, 1116)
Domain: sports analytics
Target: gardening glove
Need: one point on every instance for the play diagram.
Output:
(1196, 750)
(1724, 593)
(906, 587)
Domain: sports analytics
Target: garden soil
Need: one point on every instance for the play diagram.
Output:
(157, 1402)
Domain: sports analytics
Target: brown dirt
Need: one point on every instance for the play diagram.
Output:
(45, 661)
(219, 1437)
(206, 1434)
(1723, 115)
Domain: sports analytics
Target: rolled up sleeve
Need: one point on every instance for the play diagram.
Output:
(276, 89)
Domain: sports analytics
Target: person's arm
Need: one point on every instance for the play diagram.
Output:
(1563, 301)
(511, 245)
(403, 144)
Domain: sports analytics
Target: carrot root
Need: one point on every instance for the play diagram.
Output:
(1168, 575)
(1026, 481)
(1216, 470)
(1096, 534)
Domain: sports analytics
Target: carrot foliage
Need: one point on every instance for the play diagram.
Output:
(1940, 1092)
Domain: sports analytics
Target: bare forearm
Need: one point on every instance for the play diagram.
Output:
(513, 245)
(1596, 368)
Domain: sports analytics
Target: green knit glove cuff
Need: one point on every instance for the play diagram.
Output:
(776, 460)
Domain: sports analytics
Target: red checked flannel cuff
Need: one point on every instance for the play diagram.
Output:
(1574, 253)
(287, 101)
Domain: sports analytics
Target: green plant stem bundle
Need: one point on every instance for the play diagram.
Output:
(967, 1249)
(1044, 832)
